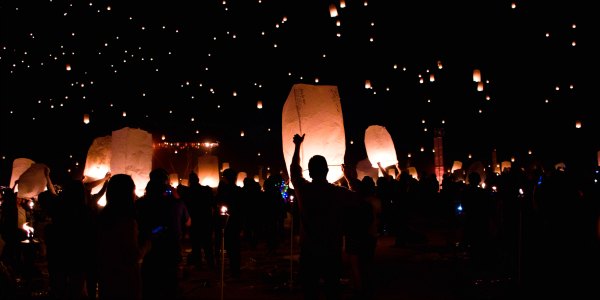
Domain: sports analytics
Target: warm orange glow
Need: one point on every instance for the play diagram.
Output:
(476, 75)
(333, 11)
(86, 118)
(259, 104)
(578, 124)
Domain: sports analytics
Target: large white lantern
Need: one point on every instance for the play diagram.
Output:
(380, 146)
(208, 170)
(317, 112)
(97, 163)
(131, 153)
(33, 181)
(20, 165)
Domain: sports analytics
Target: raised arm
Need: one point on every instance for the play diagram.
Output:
(295, 168)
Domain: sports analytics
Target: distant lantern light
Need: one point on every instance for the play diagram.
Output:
(86, 118)
(338, 23)
(333, 11)
(259, 104)
(513, 5)
(242, 133)
(480, 86)
(529, 152)
(476, 75)
(421, 80)
(342, 3)
(577, 124)
(422, 149)
(368, 84)
(574, 26)
(234, 93)
(163, 137)
(439, 64)
(488, 97)
(547, 34)
(124, 114)
(68, 67)
(573, 44)
(316, 80)
(365, 3)
(431, 78)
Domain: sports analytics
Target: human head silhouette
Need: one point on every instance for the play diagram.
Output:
(317, 167)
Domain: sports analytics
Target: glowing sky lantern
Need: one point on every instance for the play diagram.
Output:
(131, 153)
(412, 171)
(577, 124)
(33, 181)
(208, 170)
(240, 178)
(314, 110)
(505, 166)
(173, 180)
(480, 86)
(86, 119)
(333, 11)
(457, 165)
(20, 165)
(476, 75)
(97, 163)
(342, 3)
(68, 67)
(259, 104)
(368, 85)
(380, 146)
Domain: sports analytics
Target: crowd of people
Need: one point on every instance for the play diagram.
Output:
(541, 227)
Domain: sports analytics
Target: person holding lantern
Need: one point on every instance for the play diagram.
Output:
(323, 208)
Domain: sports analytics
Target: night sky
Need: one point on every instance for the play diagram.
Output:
(194, 71)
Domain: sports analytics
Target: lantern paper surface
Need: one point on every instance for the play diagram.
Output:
(457, 165)
(380, 146)
(131, 153)
(240, 178)
(208, 170)
(33, 181)
(317, 112)
(20, 165)
(364, 168)
(97, 162)
(505, 165)
(413, 172)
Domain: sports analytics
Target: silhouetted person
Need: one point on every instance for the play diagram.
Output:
(156, 219)
(231, 195)
(119, 253)
(322, 208)
(201, 205)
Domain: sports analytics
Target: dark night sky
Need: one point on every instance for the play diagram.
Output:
(193, 71)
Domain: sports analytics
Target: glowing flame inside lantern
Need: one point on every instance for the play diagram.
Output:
(86, 119)
(476, 75)
(223, 210)
(333, 11)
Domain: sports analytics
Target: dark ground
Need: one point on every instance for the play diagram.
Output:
(436, 267)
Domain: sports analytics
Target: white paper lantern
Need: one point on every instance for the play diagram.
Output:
(131, 153)
(380, 146)
(333, 11)
(208, 170)
(315, 111)
(505, 166)
(174, 179)
(457, 165)
(476, 75)
(20, 165)
(412, 171)
(32, 182)
(86, 118)
(240, 178)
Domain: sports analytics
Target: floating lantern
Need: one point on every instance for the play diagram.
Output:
(380, 146)
(208, 170)
(368, 84)
(342, 3)
(457, 165)
(240, 178)
(131, 154)
(578, 124)
(333, 11)
(480, 86)
(173, 180)
(224, 166)
(20, 165)
(68, 67)
(86, 119)
(259, 104)
(476, 75)
(412, 171)
(33, 181)
(315, 111)
(505, 166)
(97, 163)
